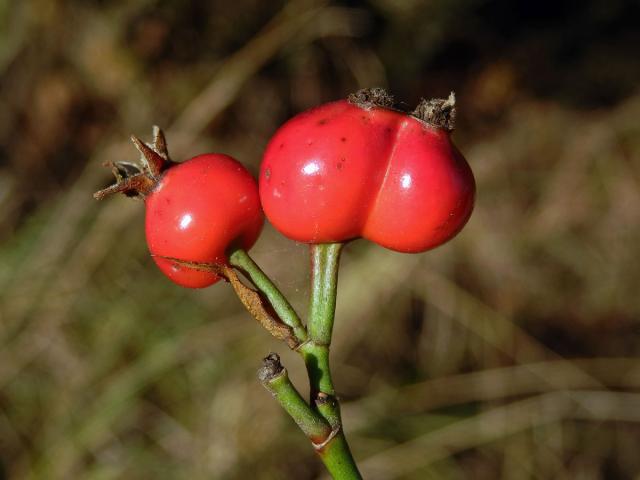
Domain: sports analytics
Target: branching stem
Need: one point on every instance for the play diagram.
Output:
(335, 454)
(320, 418)
(274, 377)
(240, 259)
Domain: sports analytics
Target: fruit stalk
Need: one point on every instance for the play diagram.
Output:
(241, 260)
(335, 453)
(320, 420)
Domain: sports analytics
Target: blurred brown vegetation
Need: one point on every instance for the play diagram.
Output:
(512, 352)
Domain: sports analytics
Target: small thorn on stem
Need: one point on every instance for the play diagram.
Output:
(438, 112)
(271, 368)
(323, 398)
(368, 98)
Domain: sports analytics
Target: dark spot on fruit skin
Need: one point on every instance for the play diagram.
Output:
(387, 130)
(281, 146)
(340, 164)
(343, 139)
(309, 142)
(323, 121)
(267, 173)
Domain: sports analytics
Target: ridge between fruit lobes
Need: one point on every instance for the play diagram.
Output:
(196, 211)
(345, 170)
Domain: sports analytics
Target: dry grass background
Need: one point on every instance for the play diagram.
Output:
(513, 352)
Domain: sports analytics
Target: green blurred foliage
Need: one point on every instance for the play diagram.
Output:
(511, 352)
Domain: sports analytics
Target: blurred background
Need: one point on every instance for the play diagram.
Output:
(513, 352)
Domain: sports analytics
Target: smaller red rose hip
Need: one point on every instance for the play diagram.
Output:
(196, 211)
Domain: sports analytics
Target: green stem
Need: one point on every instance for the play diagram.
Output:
(274, 377)
(325, 259)
(240, 259)
(335, 454)
(329, 443)
(320, 421)
(338, 460)
(316, 359)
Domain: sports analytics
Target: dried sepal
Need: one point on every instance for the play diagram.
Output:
(438, 112)
(139, 180)
(151, 160)
(160, 143)
(368, 98)
(253, 301)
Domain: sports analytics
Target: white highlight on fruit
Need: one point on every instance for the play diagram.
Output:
(405, 181)
(185, 221)
(311, 168)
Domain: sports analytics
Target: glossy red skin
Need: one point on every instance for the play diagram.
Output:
(199, 209)
(339, 172)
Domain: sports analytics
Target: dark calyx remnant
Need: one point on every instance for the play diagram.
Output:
(438, 112)
(271, 367)
(139, 180)
(369, 98)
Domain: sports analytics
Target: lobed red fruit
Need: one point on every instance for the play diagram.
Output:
(198, 210)
(342, 171)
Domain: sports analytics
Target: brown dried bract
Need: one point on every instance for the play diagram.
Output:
(438, 112)
(257, 306)
(368, 98)
(139, 180)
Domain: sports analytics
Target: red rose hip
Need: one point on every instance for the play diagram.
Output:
(196, 211)
(358, 168)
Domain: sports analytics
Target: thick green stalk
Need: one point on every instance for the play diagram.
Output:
(316, 359)
(241, 260)
(329, 442)
(320, 420)
(325, 260)
(338, 460)
(335, 453)
(274, 377)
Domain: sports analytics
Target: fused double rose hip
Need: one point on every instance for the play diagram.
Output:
(346, 169)
(356, 168)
